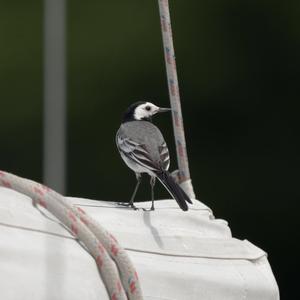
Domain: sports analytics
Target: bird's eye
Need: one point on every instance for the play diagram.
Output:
(148, 108)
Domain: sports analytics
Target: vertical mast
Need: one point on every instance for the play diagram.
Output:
(54, 163)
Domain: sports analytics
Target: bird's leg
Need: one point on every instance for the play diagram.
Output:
(152, 183)
(138, 179)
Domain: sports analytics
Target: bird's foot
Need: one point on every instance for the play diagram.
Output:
(149, 209)
(128, 205)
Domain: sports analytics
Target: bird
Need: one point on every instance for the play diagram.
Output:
(144, 150)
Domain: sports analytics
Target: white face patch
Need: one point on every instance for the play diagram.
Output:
(145, 110)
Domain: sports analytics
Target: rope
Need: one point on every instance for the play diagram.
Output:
(183, 176)
(115, 267)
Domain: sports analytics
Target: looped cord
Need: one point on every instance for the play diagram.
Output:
(116, 269)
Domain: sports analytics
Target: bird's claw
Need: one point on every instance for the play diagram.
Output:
(148, 209)
(128, 205)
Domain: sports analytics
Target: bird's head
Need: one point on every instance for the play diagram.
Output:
(142, 111)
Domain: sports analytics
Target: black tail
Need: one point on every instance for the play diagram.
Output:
(174, 189)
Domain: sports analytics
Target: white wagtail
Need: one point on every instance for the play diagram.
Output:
(144, 150)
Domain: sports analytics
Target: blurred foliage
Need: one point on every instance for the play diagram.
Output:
(238, 65)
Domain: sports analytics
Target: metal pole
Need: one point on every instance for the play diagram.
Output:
(54, 95)
(169, 53)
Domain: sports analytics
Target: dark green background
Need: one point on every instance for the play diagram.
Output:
(238, 66)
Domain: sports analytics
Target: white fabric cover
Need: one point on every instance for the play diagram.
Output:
(178, 255)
